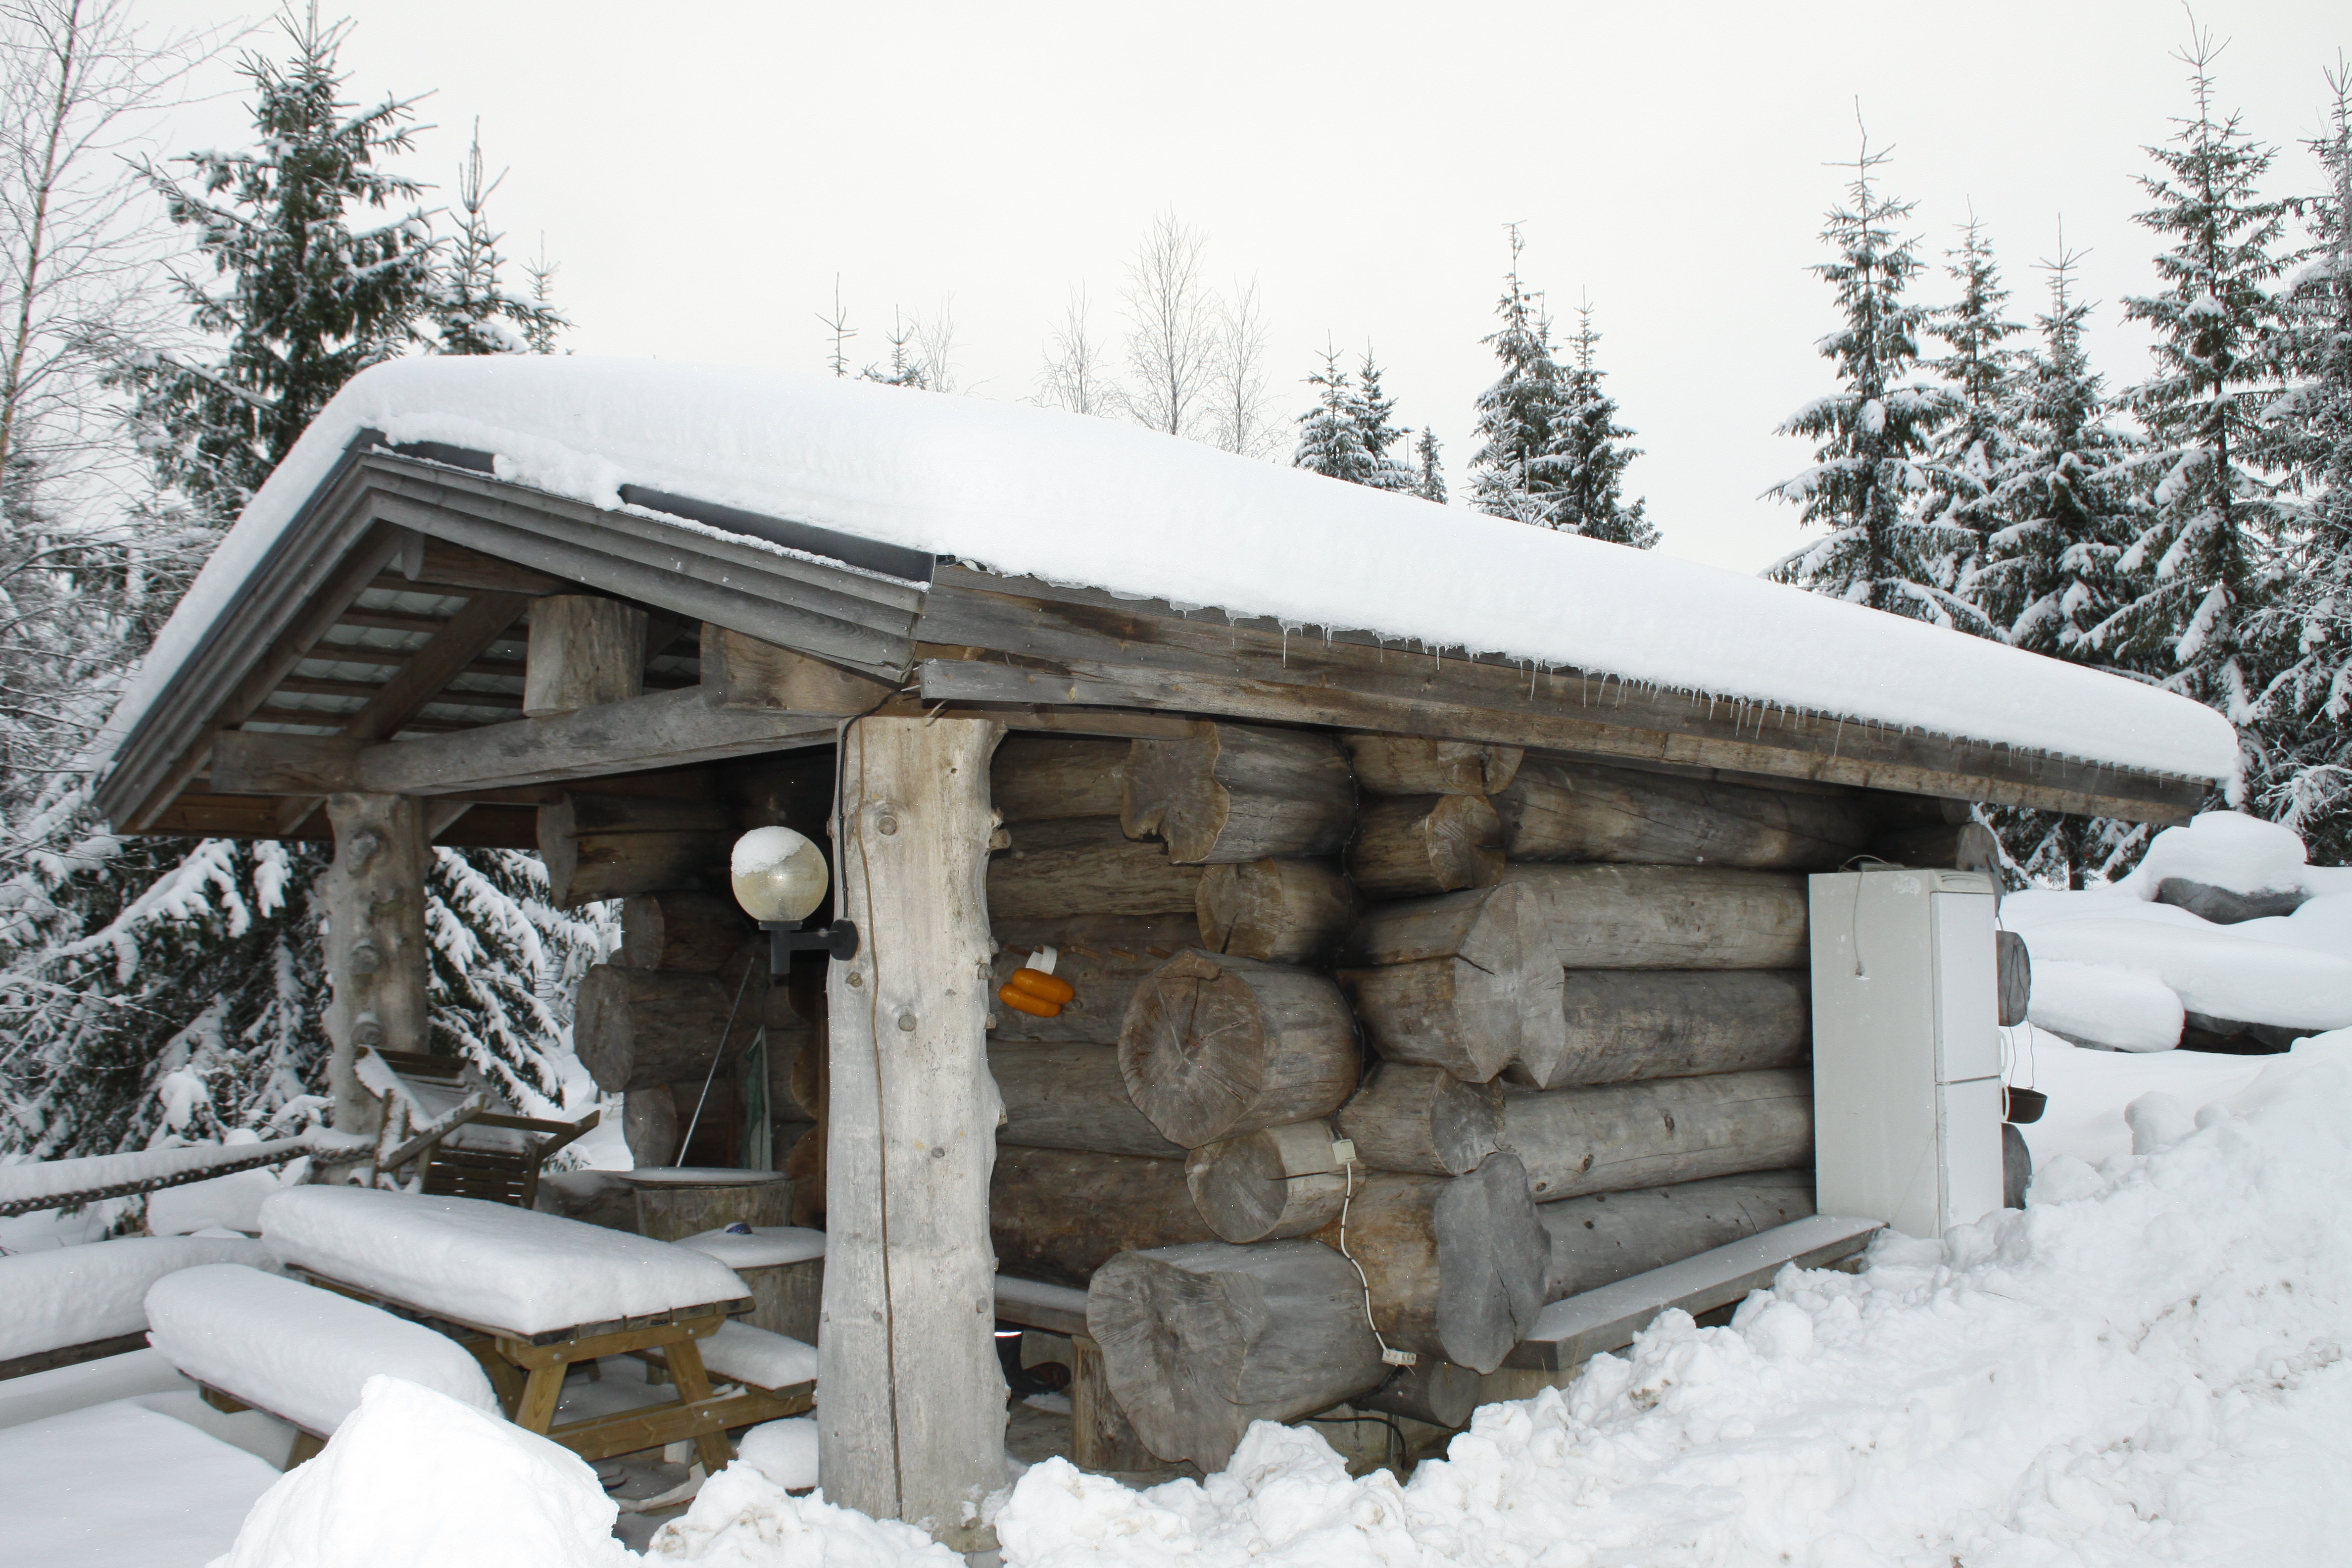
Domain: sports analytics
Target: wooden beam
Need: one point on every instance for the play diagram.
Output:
(1353, 701)
(585, 650)
(377, 961)
(445, 566)
(748, 673)
(486, 619)
(1073, 645)
(911, 1424)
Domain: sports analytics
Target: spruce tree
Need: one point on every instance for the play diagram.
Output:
(1979, 441)
(2210, 550)
(300, 301)
(1517, 469)
(472, 306)
(1429, 480)
(1869, 474)
(1592, 443)
(1371, 409)
(1330, 442)
(2307, 721)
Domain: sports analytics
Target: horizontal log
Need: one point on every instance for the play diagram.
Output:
(1455, 1263)
(1625, 1024)
(1557, 810)
(1199, 1342)
(1058, 1215)
(1215, 1046)
(1279, 911)
(1086, 866)
(1429, 1390)
(1949, 846)
(1608, 1237)
(698, 931)
(1411, 846)
(598, 847)
(1623, 1136)
(1070, 1097)
(1233, 792)
(1668, 916)
(1103, 957)
(1464, 982)
(748, 673)
(1413, 764)
(637, 1028)
(1423, 1120)
(1035, 777)
(1267, 1186)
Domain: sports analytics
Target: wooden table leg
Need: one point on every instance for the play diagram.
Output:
(693, 1383)
(540, 1394)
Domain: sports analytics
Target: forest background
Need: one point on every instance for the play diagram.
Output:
(2146, 471)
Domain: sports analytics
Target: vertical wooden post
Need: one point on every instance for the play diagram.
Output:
(911, 1423)
(376, 957)
(583, 651)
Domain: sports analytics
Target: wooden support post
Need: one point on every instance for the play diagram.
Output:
(376, 956)
(1101, 1436)
(584, 651)
(912, 1423)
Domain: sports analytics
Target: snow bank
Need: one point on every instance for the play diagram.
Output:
(783, 1451)
(2213, 972)
(120, 1486)
(488, 1263)
(296, 1351)
(743, 1519)
(74, 1295)
(2124, 1009)
(231, 1202)
(2221, 850)
(1080, 501)
(416, 1479)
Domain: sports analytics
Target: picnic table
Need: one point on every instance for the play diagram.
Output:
(530, 1295)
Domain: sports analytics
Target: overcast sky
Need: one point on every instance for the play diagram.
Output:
(701, 173)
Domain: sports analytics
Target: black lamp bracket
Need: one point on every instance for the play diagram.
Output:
(839, 939)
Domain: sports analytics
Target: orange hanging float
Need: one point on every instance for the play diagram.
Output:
(1034, 989)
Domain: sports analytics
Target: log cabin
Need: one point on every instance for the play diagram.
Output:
(1430, 891)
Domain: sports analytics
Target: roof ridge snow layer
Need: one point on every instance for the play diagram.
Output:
(1074, 500)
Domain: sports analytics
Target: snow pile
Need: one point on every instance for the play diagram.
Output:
(2147, 1365)
(120, 1486)
(743, 1519)
(228, 1203)
(1079, 501)
(296, 1351)
(416, 1478)
(487, 1264)
(75, 1295)
(760, 1247)
(2126, 966)
(783, 1451)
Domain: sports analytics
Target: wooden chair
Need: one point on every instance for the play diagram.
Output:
(456, 1146)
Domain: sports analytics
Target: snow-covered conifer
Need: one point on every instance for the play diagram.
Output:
(1329, 441)
(1592, 455)
(1428, 478)
(472, 306)
(1869, 474)
(2209, 556)
(1977, 441)
(1372, 409)
(1515, 471)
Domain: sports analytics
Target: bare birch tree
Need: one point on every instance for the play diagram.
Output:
(1172, 341)
(1077, 375)
(1237, 377)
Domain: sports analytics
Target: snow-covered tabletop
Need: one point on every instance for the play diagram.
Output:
(489, 1265)
(77, 1295)
(760, 1247)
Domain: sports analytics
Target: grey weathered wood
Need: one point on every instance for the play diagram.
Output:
(1086, 866)
(1231, 793)
(1623, 1024)
(649, 1125)
(681, 931)
(1430, 1390)
(1035, 777)
(1608, 1237)
(1101, 1436)
(1058, 1215)
(912, 1423)
(1558, 810)
(664, 730)
(1411, 846)
(463, 639)
(742, 671)
(1103, 957)
(672, 1211)
(797, 1074)
(1070, 1097)
(1200, 1340)
(1414, 764)
(1215, 1046)
(1283, 912)
(1270, 1184)
(1455, 1263)
(1954, 846)
(1668, 916)
(262, 761)
(1620, 1136)
(600, 846)
(1423, 1120)
(1464, 982)
(584, 651)
(637, 1028)
(378, 961)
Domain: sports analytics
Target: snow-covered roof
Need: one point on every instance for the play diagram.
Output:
(1084, 501)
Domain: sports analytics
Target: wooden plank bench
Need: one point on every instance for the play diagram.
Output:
(1100, 1436)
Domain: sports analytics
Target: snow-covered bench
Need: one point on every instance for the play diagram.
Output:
(72, 1304)
(296, 1351)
